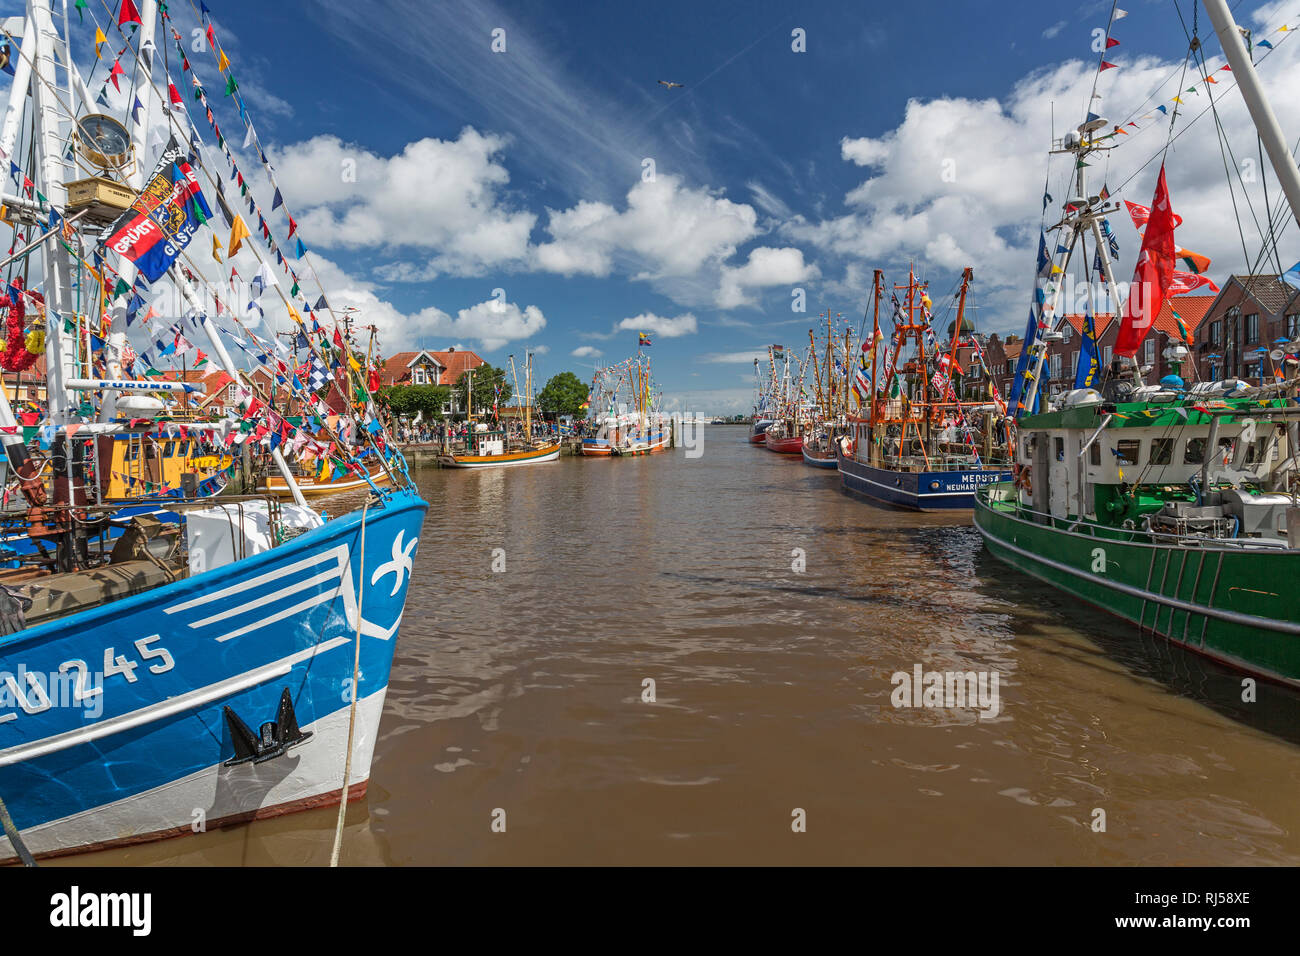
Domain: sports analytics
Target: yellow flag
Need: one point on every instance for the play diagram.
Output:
(99, 38)
(238, 233)
(293, 313)
(224, 63)
(216, 248)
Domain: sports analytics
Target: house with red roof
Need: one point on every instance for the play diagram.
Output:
(428, 368)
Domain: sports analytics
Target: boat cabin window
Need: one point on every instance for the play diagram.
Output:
(1027, 448)
(1058, 445)
(1094, 452)
(1257, 450)
(169, 449)
(132, 450)
(1162, 451)
(1129, 450)
(1195, 451)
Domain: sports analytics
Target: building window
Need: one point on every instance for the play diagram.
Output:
(1216, 329)
(1293, 325)
(1056, 365)
(1074, 363)
(1149, 351)
(1105, 356)
(232, 393)
(1252, 327)
(1067, 332)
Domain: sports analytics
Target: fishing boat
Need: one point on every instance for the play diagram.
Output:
(230, 663)
(758, 429)
(312, 487)
(1173, 505)
(783, 394)
(828, 421)
(489, 449)
(496, 448)
(821, 452)
(628, 422)
(778, 439)
(919, 445)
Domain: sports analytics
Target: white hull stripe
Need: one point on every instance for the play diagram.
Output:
(267, 598)
(167, 708)
(338, 554)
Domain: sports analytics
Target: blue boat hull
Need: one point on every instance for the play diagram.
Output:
(112, 720)
(917, 490)
(818, 462)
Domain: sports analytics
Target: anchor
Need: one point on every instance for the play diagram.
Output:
(276, 737)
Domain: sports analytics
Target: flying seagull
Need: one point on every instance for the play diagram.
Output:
(669, 85)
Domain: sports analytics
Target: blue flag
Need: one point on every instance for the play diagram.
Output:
(1088, 373)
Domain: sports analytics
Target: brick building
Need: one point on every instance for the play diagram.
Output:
(1249, 317)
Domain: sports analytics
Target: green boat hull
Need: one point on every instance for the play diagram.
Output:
(1232, 604)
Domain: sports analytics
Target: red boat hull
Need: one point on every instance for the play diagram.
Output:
(785, 446)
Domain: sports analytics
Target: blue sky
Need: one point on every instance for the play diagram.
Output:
(523, 170)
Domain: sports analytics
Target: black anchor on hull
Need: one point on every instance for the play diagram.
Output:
(275, 739)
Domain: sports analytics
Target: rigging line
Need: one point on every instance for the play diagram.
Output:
(308, 256)
(1197, 117)
(1101, 58)
(1225, 150)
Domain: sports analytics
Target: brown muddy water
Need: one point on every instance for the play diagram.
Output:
(522, 691)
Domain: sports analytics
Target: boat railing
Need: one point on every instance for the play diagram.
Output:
(940, 462)
(1129, 533)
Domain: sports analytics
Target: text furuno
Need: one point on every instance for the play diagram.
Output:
(948, 690)
(74, 909)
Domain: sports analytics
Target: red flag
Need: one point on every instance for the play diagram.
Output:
(1152, 275)
(115, 72)
(129, 14)
(1184, 282)
(1110, 42)
(174, 95)
(1106, 66)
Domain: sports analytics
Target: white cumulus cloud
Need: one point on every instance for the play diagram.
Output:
(667, 328)
(766, 267)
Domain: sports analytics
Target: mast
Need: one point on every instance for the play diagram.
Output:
(877, 284)
(1270, 133)
(528, 394)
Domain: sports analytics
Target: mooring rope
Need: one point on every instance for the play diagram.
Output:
(11, 831)
(352, 713)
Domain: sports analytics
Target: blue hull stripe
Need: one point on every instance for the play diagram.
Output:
(911, 489)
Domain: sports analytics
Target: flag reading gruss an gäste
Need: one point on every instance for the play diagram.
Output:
(164, 217)
(1152, 275)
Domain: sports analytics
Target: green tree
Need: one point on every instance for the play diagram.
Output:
(487, 378)
(563, 395)
(408, 401)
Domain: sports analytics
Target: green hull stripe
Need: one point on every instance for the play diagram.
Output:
(1232, 617)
